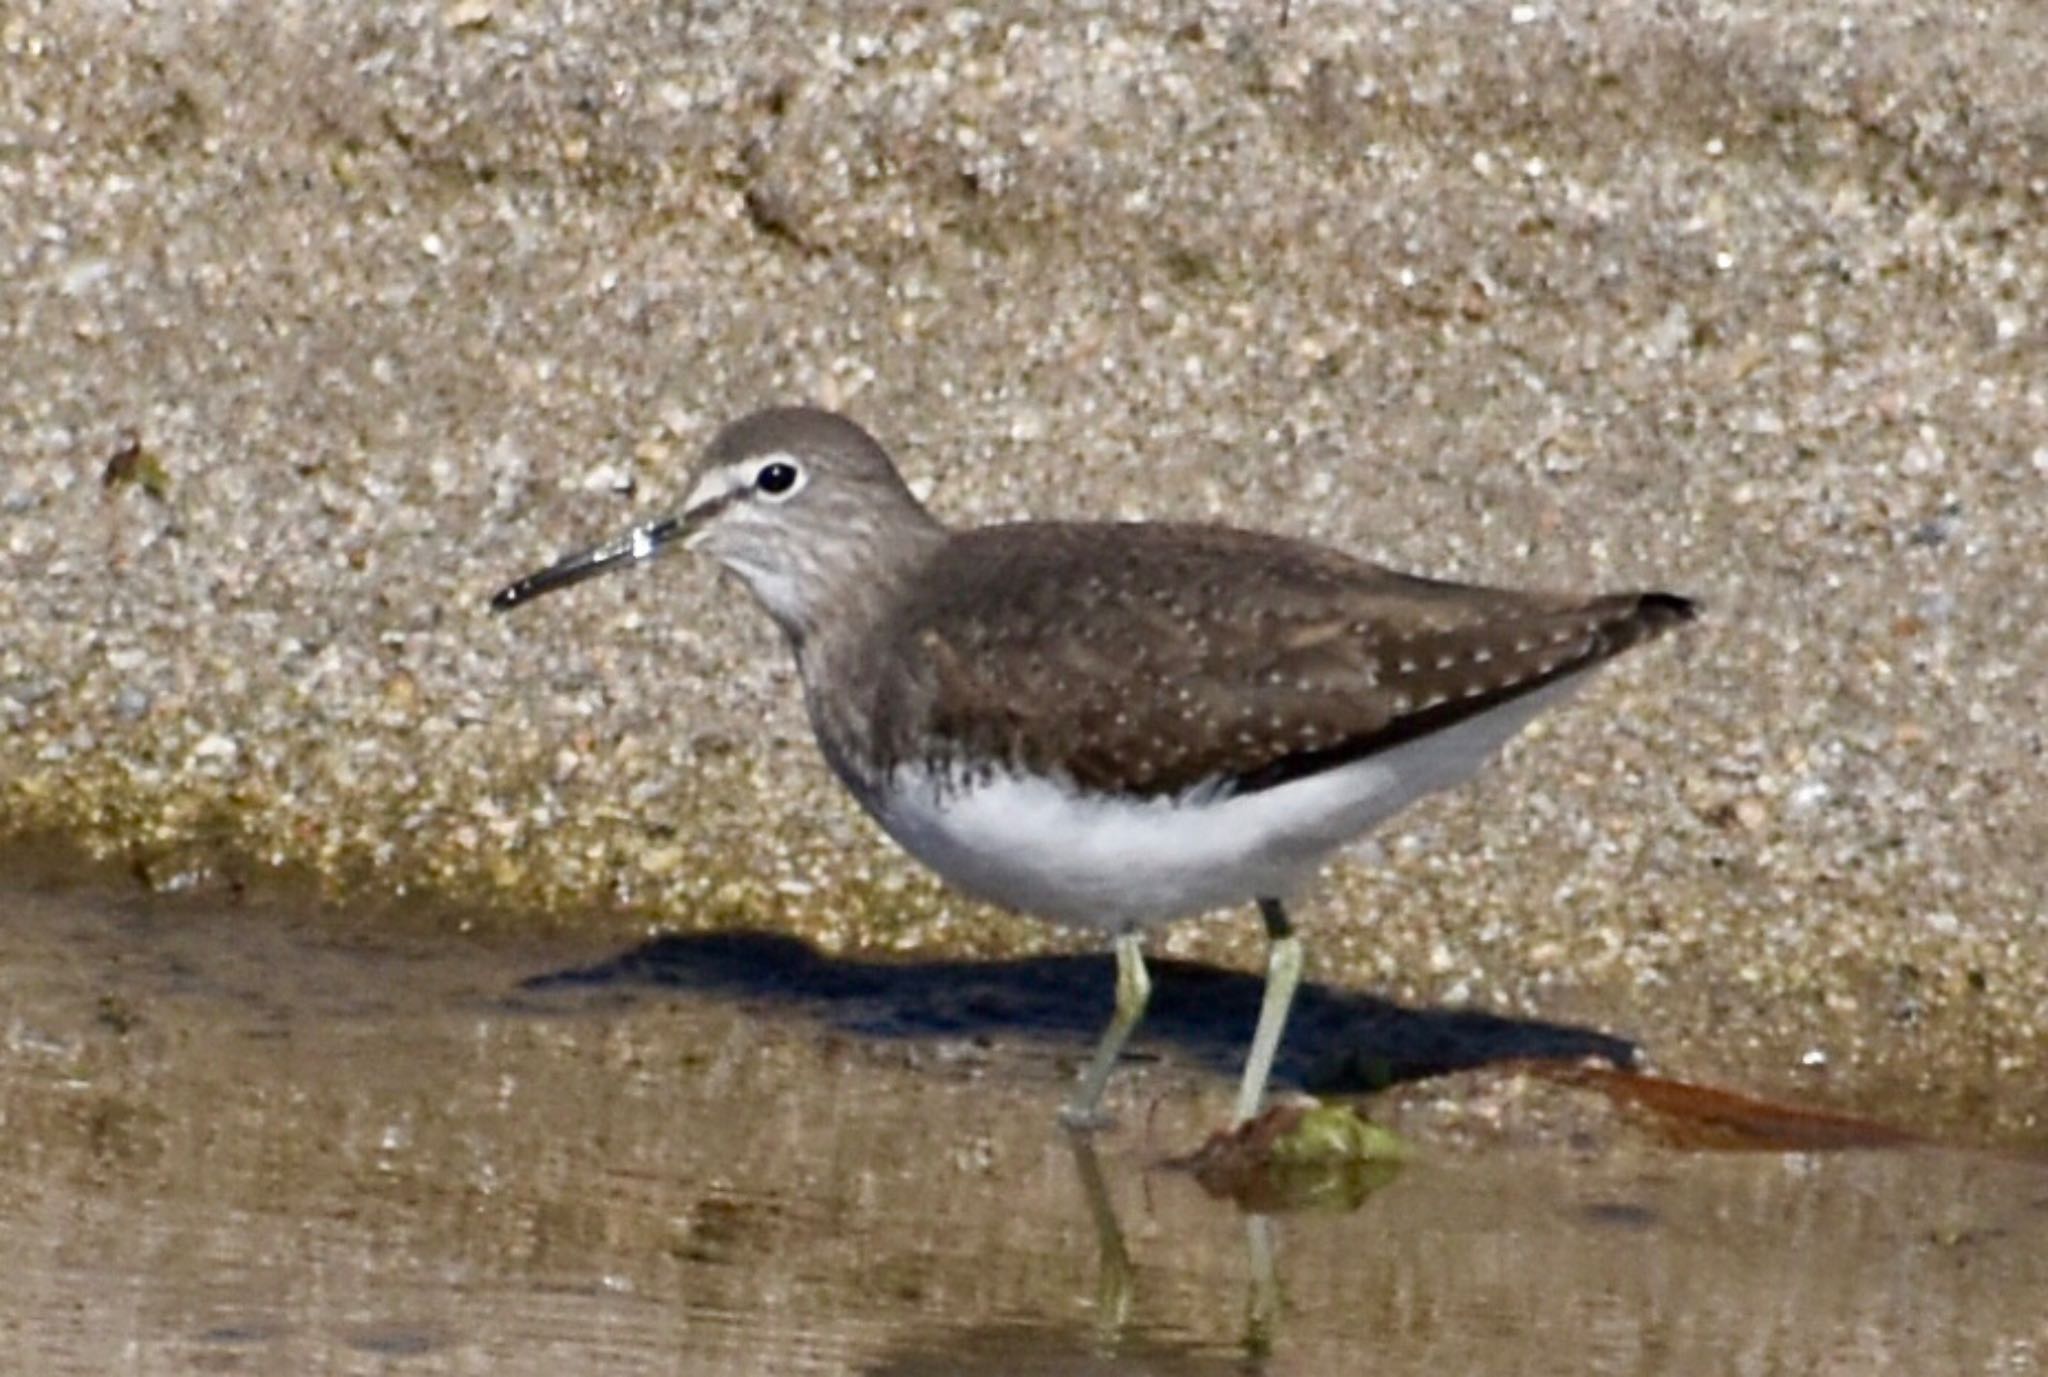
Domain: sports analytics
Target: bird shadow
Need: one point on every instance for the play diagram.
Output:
(1338, 1041)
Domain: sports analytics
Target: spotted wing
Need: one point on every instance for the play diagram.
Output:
(1149, 659)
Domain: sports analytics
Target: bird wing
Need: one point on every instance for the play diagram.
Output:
(1150, 659)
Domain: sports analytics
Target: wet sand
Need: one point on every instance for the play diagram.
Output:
(262, 1139)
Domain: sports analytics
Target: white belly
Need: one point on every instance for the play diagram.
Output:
(1038, 846)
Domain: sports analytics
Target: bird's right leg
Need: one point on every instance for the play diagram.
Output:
(1133, 989)
(1283, 974)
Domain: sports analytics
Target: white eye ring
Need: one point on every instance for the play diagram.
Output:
(779, 478)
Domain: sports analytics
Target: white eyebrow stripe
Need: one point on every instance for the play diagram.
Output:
(718, 485)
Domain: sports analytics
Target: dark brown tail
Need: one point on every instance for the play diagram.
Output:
(1659, 610)
(1642, 616)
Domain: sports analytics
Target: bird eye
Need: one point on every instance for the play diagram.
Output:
(777, 478)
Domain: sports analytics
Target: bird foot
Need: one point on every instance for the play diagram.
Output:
(1086, 1118)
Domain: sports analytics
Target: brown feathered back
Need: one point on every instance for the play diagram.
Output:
(1149, 659)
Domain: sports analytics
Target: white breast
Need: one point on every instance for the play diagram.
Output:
(1040, 846)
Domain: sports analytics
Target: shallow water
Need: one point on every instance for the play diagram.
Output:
(235, 1140)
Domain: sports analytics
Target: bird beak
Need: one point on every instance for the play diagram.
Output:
(641, 543)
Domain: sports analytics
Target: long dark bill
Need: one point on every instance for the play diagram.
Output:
(640, 543)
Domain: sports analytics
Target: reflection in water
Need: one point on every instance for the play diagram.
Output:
(1044, 1351)
(1262, 1306)
(1259, 1188)
(1113, 1291)
(1112, 1343)
(241, 1142)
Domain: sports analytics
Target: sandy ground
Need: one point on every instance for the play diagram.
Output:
(321, 322)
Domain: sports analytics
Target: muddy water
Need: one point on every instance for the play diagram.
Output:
(239, 1141)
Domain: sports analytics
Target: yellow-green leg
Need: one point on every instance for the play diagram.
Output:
(1133, 988)
(1117, 1284)
(1262, 1306)
(1283, 973)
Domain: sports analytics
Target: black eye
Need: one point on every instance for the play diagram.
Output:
(776, 479)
